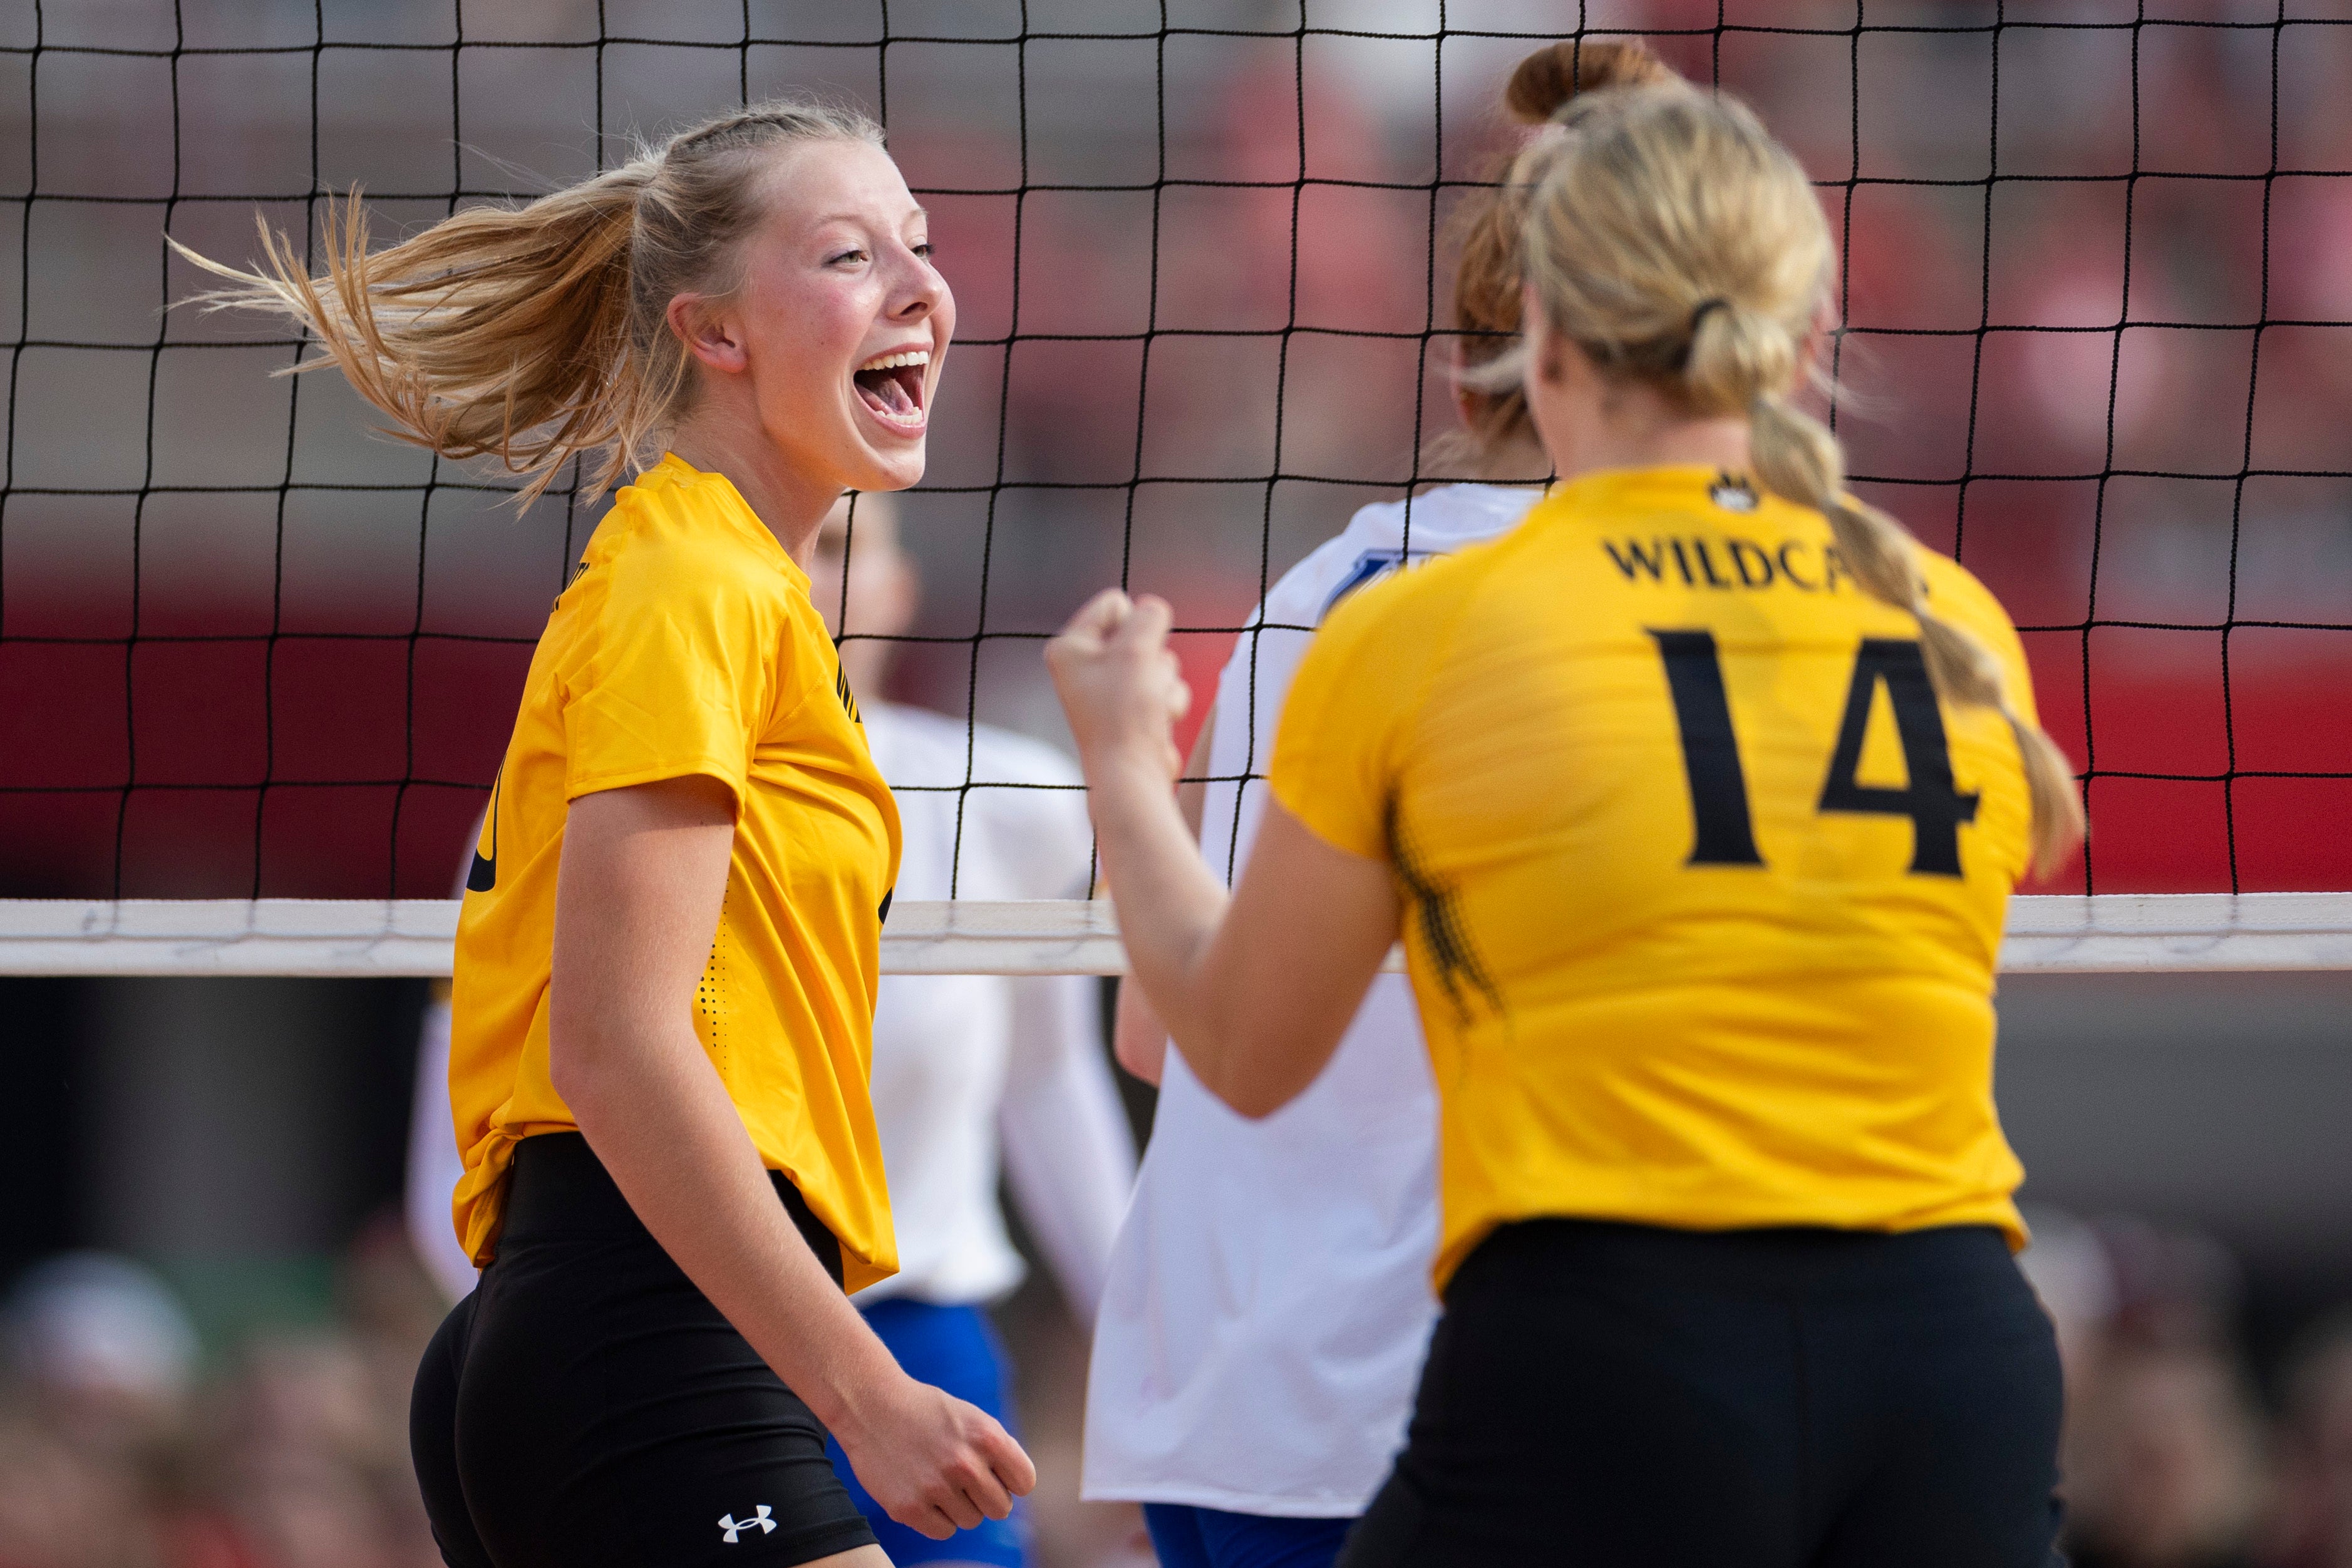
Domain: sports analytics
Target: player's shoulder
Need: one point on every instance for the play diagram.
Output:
(1380, 537)
(1410, 614)
(1958, 594)
(677, 528)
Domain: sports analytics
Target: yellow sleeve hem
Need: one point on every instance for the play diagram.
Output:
(1328, 831)
(707, 767)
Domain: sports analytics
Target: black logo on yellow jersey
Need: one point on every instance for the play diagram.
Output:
(484, 873)
(1728, 563)
(1459, 968)
(841, 689)
(577, 573)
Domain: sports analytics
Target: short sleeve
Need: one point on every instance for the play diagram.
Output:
(680, 676)
(1334, 751)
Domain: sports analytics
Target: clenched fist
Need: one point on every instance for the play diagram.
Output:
(1118, 681)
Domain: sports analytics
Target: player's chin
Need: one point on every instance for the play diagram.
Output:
(892, 450)
(894, 467)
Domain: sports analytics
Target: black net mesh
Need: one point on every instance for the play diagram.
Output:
(2099, 339)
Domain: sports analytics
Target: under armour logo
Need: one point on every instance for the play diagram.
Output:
(734, 1528)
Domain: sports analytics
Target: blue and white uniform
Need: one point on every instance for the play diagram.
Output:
(1268, 1305)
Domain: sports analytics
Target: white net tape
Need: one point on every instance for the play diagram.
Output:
(2112, 932)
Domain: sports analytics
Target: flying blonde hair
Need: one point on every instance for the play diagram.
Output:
(1675, 242)
(537, 334)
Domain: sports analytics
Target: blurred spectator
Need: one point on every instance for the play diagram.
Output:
(2167, 1465)
(102, 1350)
(2163, 1450)
(61, 1508)
(2311, 1526)
(2069, 1270)
(113, 1454)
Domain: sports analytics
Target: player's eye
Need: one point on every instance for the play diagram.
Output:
(923, 249)
(844, 256)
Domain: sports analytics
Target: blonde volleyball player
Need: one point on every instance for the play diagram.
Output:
(1697, 800)
(973, 1074)
(667, 959)
(1254, 1423)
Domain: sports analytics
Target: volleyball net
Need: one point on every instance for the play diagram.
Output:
(258, 665)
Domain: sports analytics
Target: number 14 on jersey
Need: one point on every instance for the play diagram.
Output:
(1719, 784)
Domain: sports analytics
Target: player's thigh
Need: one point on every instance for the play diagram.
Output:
(608, 1414)
(433, 1441)
(1955, 1459)
(1570, 1400)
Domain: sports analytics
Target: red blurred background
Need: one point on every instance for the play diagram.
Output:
(2097, 334)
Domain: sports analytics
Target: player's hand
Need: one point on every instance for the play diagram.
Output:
(1119, 679)
(934, 1463)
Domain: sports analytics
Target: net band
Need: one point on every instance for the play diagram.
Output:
(2109, 932)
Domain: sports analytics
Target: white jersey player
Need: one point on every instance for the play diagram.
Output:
(1269, 1303)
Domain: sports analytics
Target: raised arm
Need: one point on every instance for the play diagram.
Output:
(1138, 1039)
(1257, 988)
(637, 899)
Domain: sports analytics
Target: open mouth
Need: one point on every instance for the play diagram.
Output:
(892, 385)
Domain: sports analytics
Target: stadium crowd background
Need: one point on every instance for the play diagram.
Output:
(240, 1404)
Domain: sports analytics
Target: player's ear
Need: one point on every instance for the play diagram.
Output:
(707, 332)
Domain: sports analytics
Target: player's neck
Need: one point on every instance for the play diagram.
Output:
(787, 500)
(1590, 425)
(1676, 443)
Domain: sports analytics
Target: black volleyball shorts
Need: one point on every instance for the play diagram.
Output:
(588, 1406)
(1620, 1396)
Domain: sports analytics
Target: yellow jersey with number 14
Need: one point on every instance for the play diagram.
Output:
(686, 644)
(1704, 887)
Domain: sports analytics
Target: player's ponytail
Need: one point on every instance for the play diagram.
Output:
(1674, 241)
(536, 333)
(1798, 457)
(1487, 275)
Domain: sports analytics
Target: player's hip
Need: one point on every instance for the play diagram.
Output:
(588, 1405)
(1833, 1395)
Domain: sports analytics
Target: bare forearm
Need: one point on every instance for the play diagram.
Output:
(660, 1121)
(1256, 994)
(1139, 1039)
(643, 879)
(1169, 902)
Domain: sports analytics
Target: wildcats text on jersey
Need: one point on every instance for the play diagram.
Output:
(1728, 562)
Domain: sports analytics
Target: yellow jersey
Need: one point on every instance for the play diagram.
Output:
(1703, 887)
(686, 644)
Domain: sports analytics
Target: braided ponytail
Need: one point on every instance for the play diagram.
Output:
(532, 335)
(1713, 306)
(1798, 459)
